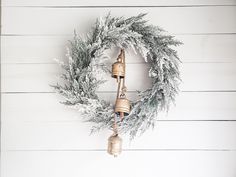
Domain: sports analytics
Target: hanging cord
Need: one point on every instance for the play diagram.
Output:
(119, 87)
(123, 88)
(115, 128)
(119, 93)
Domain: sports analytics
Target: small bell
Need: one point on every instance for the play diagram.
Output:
(118, 68)
(114, 145)
(122, 107)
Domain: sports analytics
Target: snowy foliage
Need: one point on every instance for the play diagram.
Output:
(86, 62)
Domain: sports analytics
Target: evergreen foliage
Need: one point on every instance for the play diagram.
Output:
(86, 65)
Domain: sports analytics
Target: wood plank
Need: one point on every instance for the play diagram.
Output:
(116, 3)
(189, 106)
(179, 20)
(100, 164)
(195, 76)
(74, 135)
(42, 49)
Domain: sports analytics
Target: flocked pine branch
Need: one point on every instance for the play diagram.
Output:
(86, 64)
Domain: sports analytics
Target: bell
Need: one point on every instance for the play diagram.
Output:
(122, 107)
(118, 68)
(114, 145)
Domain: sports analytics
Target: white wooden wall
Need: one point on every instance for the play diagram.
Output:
(42, 138)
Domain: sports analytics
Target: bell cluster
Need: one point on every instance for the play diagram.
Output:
(122, 104)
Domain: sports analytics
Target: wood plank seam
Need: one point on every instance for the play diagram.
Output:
(126, 6)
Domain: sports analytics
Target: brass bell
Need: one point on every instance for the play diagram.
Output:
(122, 106)
(114, 145)
(118, 68)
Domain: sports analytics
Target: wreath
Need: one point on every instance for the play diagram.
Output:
(86, 68)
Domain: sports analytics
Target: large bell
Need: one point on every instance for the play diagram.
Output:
(114, 145)
(118, 68)
(122, 107)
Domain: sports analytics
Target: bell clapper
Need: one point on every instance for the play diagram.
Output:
(118, 79)
(122, 115)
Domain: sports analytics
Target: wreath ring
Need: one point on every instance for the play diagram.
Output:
(86, 65)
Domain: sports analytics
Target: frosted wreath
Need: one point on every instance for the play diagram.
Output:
(86, 65)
